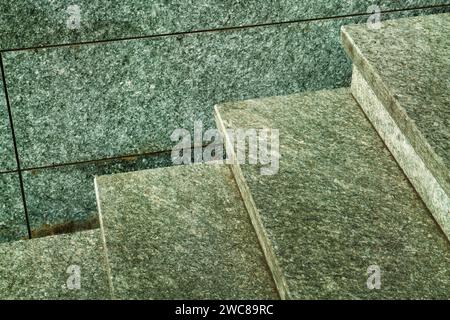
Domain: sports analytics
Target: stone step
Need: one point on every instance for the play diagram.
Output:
(339, 209)
(401, 79)
(60, 267)
(180, 233)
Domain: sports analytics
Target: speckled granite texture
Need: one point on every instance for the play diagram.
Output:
(27, 23)
(7, 156)
(37, 269)
(414, 167)
(12, 216)
(407, 64)
(56, 197)
(180, 233)
(339, 203)
(71, 107)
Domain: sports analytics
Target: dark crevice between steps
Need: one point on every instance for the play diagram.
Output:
(92, 221)
(66, 227)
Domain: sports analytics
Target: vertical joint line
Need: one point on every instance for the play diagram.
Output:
(22, 189)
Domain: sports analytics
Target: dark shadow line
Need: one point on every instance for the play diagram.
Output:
(94, 161)
(9, 171)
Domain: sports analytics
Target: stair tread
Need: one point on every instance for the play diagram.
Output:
(180, 233)
(407, 64)
(338, 204)
(39, 268)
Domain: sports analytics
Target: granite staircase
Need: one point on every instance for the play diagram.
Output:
(362, 184)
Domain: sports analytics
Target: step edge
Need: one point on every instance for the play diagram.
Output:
(252, 210)
(103, 238)
(413, 166)
(407, 126)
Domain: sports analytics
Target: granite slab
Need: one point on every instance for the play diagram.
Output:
(407, 65)
(62, 199)
(98, 101)
(180, 233)
(339, 204)
(12, 214)
(7, 155)
(431, 191)
(47, 268)
(27, 23)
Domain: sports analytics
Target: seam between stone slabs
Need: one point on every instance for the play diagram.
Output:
(11, 122)
(268, 24)
(253, 212)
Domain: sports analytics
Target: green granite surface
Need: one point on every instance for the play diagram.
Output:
(27, 23)
(407, 64)
(38, 269)
(63, 198)
(7, 156)
(98, 101)
(338, 204)
(12, 214)
(180, 233)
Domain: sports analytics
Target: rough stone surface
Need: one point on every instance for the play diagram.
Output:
(40, 268)
(180, 233)
(27, 23)
(338, 205)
